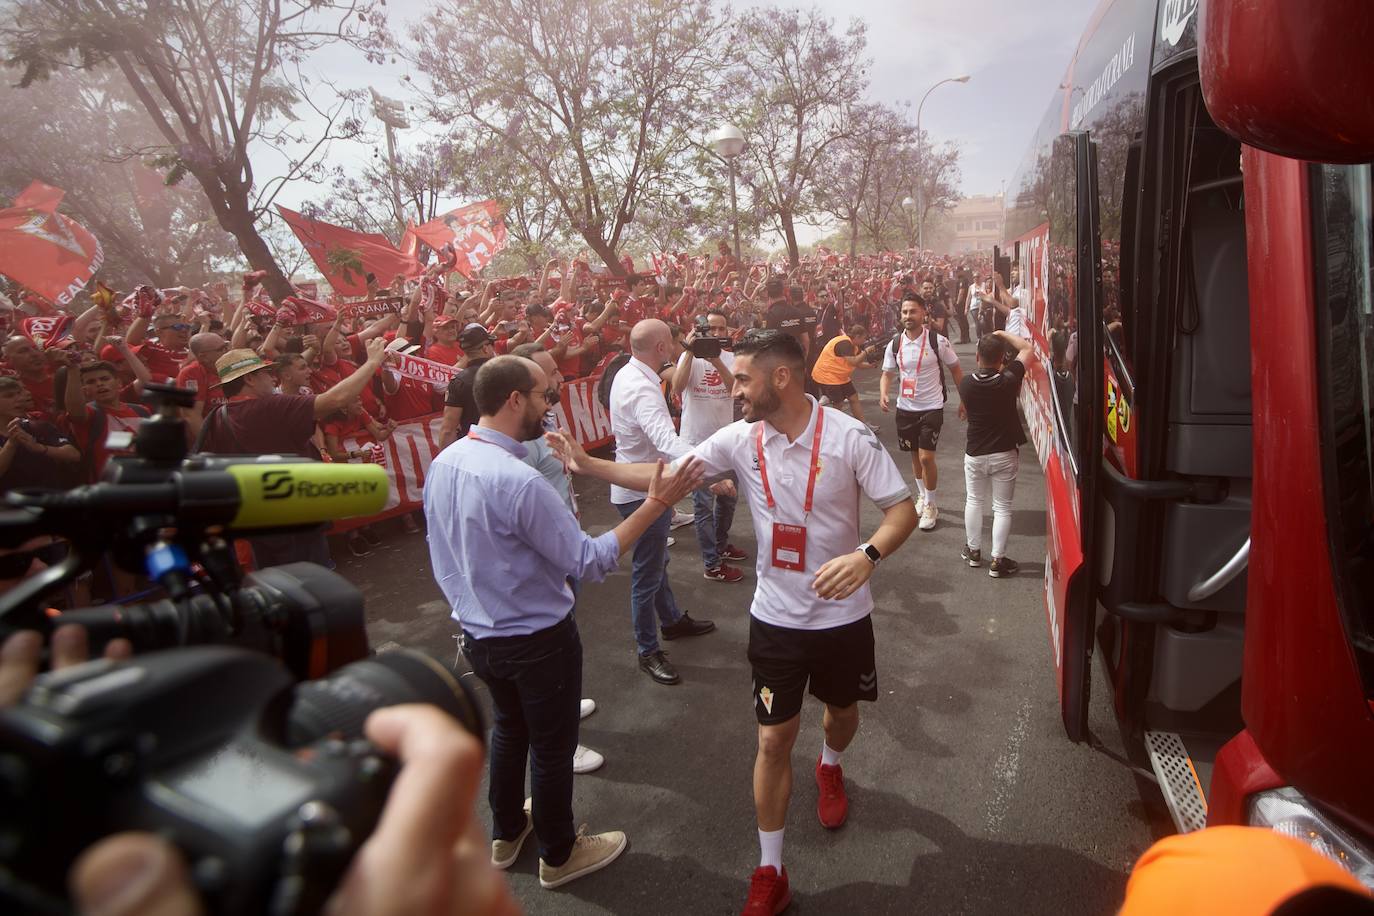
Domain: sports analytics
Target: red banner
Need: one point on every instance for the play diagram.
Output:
(45, 251)
(477, 232)
(423, 370)
(375, 308)
(345, 257)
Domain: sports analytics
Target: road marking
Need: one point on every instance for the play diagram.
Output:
(1005, 770)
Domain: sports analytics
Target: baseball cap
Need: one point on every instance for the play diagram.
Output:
(473, 336)
(443, 320)
(238, 363)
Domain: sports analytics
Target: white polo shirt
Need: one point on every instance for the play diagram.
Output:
(1016, 317)
(919, 362)
(852, 462)
(641, 424)
(707, 405)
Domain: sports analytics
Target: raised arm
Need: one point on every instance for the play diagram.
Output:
(346, 390)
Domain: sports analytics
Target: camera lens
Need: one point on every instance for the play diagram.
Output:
(340, 703)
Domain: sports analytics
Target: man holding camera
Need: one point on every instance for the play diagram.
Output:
(702, 379)
(916, 358)
(503, 544)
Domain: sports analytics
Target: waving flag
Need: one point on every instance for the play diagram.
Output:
(39, 248)
(476, 232)
(345, 257)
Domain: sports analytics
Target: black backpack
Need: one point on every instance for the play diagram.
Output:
(934, 348)
(97, 427)
(603, 386)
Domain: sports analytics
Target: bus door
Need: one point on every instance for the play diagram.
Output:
(1065, 274)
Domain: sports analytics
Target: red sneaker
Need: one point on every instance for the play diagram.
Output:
(733, 553)
(725, 573)
(769, 893)
(833, 805)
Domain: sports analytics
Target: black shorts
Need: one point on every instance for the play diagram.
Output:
(838, 393)
(837, 664)
(919, 429)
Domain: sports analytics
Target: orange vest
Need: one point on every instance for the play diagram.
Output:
(831, 369)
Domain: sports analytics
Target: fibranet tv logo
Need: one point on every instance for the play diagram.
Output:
(280, 484)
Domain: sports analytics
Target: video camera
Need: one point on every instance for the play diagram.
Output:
(704, 346)
(261, 777)
(874, 348)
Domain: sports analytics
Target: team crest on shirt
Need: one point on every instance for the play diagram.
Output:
(766, 697)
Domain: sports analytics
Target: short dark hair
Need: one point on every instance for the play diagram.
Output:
(991, 349)
(100, 366)
(717, 311)
(496, 380)
(286, 360)
(858, 330)
(774, 287)
(537, 311)
(527, 350)
(912, 297)
(772, 344)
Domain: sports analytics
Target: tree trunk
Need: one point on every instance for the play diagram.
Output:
(853, 238)
(790, 234)
(604, 252)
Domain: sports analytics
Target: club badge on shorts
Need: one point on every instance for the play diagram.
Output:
(766, 698)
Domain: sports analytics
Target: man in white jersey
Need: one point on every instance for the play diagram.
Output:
(802, 468)
(916, 358)
(707, 406)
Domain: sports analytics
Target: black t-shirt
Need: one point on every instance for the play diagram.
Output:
(990, 398)
(35, 470)
(460, 395)
(790, 319)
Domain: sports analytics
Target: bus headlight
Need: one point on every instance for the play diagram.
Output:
(1287, 812)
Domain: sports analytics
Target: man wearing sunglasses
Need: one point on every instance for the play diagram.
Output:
(167, 352)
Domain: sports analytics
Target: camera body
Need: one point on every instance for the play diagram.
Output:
(704, 346)
(267, 787)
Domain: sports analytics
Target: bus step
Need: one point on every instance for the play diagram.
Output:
(1178, 780)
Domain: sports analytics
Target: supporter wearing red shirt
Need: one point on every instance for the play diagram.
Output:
(165, 355)
(200, 373)
(33, 366)
(444, 348)
(94, 410)
(407, 398)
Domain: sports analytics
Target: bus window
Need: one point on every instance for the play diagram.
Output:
(1065, 355)
(1346, 308)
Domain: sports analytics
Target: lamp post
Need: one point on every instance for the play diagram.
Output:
(728, 142)
(909, 205)
(393, 114)
(920, 187)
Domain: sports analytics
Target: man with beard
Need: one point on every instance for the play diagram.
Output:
(503, 544)
(914, 357)
(803, 467)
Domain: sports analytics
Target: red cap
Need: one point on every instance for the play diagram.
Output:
(110, 353)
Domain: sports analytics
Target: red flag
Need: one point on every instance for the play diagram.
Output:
(410, 242)
(46, 331)
(346, 257)
(477, 232)
(39, 248)
(308, 311)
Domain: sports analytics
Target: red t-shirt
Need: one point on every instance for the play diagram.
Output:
(326, 377)
(205, 381)
(120, 418)
(448, 354)
(41, 389)
(413, 399)
(164, 364)
(344, 427)
(280, 424)
(570, 366)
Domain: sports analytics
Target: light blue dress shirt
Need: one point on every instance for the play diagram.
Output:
(502, 542)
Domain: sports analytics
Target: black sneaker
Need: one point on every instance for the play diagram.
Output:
(357, 546)
(974, 558)
(686, 626)
(373, 538)
(1001, 567)
(657, 666)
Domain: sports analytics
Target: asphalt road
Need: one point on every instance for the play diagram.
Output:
(965, 795)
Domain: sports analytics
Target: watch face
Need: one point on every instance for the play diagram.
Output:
(872, 553)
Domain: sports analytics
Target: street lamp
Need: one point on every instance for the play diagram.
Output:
(393, 114)
(728, 142)
(909, 205)
(920, 188)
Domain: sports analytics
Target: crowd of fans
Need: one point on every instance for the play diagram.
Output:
(300, 377)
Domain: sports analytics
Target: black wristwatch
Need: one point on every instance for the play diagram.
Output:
(871, 552)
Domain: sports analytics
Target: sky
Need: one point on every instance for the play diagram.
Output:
(1015, 53)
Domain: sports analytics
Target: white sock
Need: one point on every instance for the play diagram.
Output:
(770, 849)
(829, 758)
(921, 488)
(930, 497)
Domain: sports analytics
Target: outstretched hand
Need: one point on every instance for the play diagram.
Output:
(568, 450)
(672, 487)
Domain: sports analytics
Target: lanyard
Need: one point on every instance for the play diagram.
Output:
(920, 354)
(815, 462)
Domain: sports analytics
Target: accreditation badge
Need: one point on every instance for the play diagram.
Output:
(789, 547)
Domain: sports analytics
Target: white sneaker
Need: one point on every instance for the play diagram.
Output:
(586, 760)
(682, 518)
(588, 707)
(824, 401)
(920, 505)
(589, 854)
(928, 516)
(672, 541)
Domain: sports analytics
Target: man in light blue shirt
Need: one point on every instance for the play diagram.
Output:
(503, 544)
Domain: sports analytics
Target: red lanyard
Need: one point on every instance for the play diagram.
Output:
(920, 354)
(815, 462)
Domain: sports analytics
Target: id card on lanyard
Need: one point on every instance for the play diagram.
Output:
(789, 541)
(909, 384)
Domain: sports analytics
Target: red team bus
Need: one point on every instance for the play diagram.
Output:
(1192, 230)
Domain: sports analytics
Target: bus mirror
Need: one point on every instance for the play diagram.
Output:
(1291, 78)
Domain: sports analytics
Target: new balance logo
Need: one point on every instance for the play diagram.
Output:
(868, 681)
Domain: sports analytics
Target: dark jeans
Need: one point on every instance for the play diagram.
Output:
(713, 515)
(536, 694)
(961, 317)
(650, 594)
